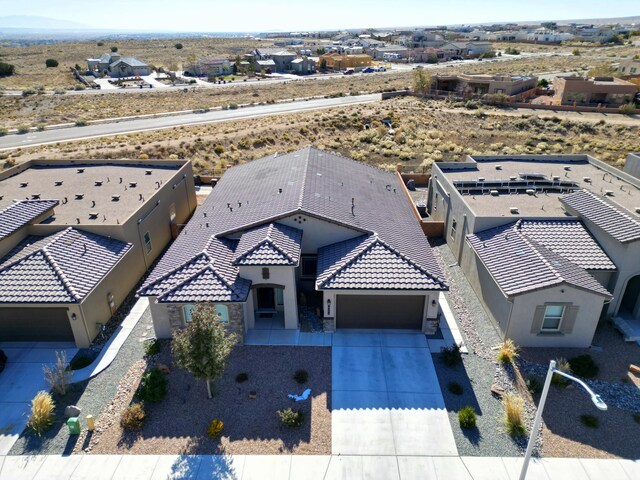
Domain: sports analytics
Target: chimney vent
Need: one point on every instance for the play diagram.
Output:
(530, 191)
(79, 196)
(608, 193)
(35, 196)
(93, 215)
(133, 184)
(80, 170)
(567, 168)
(494, 193)
(98, 183)
(498, 167)
(57, 183)
(513, 210)
(481, 179)
(24, 184)
(148, 172)
(586, 179)
(115, 198)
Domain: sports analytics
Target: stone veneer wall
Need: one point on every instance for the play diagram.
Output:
(328, 324)
(431, 326)
(236, 319)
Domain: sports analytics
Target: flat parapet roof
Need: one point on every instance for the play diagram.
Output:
(533, 185)
(89, 193)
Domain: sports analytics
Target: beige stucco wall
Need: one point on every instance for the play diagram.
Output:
(318, 233)
(524, 307)
(284, 276)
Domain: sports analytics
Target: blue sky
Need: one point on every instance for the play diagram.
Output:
(300, 15)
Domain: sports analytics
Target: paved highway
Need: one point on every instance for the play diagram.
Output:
(11, 142)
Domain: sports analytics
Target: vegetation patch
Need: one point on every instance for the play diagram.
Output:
(467, 417)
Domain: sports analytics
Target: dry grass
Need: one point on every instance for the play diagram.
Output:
(59, 375)
(508, 352)
(425, 132)
(513, 410)
(42, 407)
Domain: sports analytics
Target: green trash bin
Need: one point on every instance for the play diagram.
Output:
(74, 425)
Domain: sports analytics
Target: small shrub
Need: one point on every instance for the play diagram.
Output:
(215, 428)
(22, 129)
(301, 376)
(513, 408)
(584, 366)
(451, 356)
(100, 44)
(153, 386)
(628, 108)
(59, 91)
(40, 127)
(3, 132)
(79, 87)
(41, 417)
(178, 46)
(9, 162)
(576, 52)
(467, 417)
(51, 63)
(455, 388)
(152, 347)
(636, 417)
(114, 49)
(6, 69)
(589, 421)
(29, 92)
(81, 122)
(133, 417)
(291, 418)
(534, 386)
(218, 149)
(242, 377)
(58, 376)
(233, 106)
(508, 352)
(563, 365)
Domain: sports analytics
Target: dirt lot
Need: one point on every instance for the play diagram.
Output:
(617, 435)
(178, 424)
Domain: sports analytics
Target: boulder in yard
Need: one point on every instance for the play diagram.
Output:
(72, 411)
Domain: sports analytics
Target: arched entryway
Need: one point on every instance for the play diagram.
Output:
(630, 304)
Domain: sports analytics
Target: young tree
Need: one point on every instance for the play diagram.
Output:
(51, 63)
(178, 46)
(114, 49)
(204, 346)
(6, 69)
(422, 82)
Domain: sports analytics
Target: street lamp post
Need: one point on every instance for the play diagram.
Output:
(597, 401)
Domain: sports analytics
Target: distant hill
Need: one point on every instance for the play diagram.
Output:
(22, 22)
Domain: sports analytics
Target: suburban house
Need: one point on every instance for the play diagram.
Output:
(281, 59)
(303, 228)
(608, 91)
(629, 67)
(337, 61)
(76, 236)
(116, 66)
(463, 85)
(394, 52)
(209, 66)
(550, 243)
(303, 65)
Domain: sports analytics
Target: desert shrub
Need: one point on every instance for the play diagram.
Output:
(513, 408)
(584, 366)
(79, 87)
(81, 122)
(42, 407)
(80, 361)
(301, 376)
(29, 91)
(233, 106)
(242, 377)
(178, 46)
(576, 52)
(563, 365)
(512, 51)
(100, 44)
(534, 385)
(627, 109)
(22, 129)
(153, 386)
(59, 91)
(589, 421)
(9, 162)
(6, 69)
(114, 49)
(40, 127)
(218, 149)
(496, 99)
(58, 376)
(152, 347)
(133, 417)
(291, 418)
(471, 105)
(451, 356)
(508, 352)
(467, 417)
(215, 428)
(51, 63)
(3, 132)
(455, 388)
(489, 54)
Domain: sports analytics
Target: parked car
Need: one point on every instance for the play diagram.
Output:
(348, 71)
(457, 57)
(3, 360)
(368, 70)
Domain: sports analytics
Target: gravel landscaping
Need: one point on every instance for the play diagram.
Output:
(91, 396)
(178, 424)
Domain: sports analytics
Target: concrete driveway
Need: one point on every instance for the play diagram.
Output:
(386, 398)
(21, 379)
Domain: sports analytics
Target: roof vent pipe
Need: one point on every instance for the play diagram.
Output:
(513, 210)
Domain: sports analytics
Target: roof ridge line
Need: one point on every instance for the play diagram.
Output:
(304, 179)
(273, 244)
(174, 270)
(374, 238)
(613, 206)
(63, 278)
(535, 247)
(190, 277)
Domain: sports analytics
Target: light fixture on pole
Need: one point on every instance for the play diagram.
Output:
(595, 398)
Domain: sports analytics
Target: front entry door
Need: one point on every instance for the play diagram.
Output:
(266, 298)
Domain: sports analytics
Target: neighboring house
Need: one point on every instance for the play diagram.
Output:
(476, 85)
(72, 252)
(307, 227)
(393, 51)
(550, 243)
(281, 58)
(338, 61)
(592, 91)
(303, 65)
(116, 66)
(210, 67)
(629, 67)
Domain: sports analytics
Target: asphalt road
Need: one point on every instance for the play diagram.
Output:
(11, 142)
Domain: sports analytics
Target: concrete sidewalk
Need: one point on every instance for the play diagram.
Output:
(308, 467)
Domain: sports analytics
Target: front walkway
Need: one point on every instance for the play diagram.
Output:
(386, 399)
(308, 467)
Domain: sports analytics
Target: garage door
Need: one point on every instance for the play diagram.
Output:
(35, 324)
(380, 311)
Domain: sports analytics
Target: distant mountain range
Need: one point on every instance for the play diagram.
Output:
(22, 22)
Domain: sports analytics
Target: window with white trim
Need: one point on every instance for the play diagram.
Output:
(552, 318)
(147, 243)
(221, 310)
